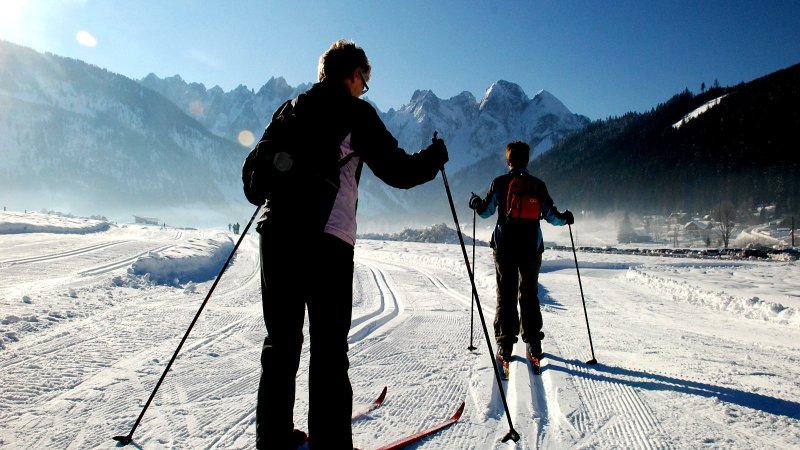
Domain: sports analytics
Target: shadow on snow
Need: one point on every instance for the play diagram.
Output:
(655, 382)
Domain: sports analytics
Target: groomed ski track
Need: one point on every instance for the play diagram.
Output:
(83, 377)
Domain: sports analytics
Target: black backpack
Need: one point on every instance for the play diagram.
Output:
(269, 165)
(297, 153)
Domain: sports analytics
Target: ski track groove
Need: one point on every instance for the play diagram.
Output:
(60, 255)
(74, 388)
(610, 411)
(104, 268)
(218, 325)
(103, 375)
(381, 305)
(408, 377)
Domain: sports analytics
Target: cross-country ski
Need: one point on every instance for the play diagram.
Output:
(408, 440)
(363, 410)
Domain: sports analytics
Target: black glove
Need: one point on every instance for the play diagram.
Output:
(437, 151)
(567, 216)
(474, 201)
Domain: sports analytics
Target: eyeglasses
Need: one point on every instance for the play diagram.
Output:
(363, 81)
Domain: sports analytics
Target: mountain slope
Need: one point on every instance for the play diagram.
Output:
(226, 114)
(475, 131)
(742, 150)
(80, 138)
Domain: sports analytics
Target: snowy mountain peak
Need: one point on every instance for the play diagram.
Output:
(504, 94)
(464, 97)
(242, 89)
(547, 103)
(424, 98)
(150, 129)
(276, 88)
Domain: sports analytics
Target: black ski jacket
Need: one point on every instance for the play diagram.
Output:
(334, 125)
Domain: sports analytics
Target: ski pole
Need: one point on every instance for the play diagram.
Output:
(593, 360)
(472, 303)
(125, 440)
(512, 434)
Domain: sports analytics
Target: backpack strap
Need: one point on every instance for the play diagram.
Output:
(346, 159)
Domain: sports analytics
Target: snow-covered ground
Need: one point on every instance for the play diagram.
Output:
(692, 353)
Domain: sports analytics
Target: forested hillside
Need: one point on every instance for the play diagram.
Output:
(743, 150)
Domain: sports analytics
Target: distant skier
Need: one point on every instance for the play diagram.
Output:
(522, 201)
(307, 251)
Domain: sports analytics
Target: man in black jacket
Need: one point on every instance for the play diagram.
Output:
(522, 201)
(307, 241)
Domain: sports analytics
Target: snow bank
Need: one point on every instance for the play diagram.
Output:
(16, 222)
(196, 260)
(751, 307)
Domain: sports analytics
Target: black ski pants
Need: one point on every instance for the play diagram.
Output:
(517, 274)
(298, 273)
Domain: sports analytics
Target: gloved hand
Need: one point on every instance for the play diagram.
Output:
(438, 151)
(568, 216)
(474, 201)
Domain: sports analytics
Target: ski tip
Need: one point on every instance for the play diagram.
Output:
(382, 396)
(458, 413)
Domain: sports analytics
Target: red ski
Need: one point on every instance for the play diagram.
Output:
(366, 409)
(401, 443)
(301, 438)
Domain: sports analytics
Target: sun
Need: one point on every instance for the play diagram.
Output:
(11, 12)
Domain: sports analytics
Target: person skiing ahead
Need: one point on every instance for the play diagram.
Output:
(306, 245)
(522, 201)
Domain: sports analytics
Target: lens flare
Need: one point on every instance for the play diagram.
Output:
(86, 39)
(246, 138)
(196, 108)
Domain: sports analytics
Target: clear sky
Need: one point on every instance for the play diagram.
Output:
(600, 57)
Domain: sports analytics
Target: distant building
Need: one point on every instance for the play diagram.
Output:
(677, 217)
(146, 220)
(696, 225)
(699, 230)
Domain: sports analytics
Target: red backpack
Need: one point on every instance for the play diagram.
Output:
(521, 201)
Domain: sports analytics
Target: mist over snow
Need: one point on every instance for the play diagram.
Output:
(82, 140)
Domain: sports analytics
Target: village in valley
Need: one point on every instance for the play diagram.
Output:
(746, 232)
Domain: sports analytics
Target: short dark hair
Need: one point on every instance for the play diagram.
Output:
(518, 154)
(341, 59)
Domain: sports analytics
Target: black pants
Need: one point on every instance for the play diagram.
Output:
(517, 273)
(296, 273)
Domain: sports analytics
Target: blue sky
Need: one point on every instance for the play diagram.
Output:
(601, 58)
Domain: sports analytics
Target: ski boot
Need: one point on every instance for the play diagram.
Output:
(503, 358)
(533, 350)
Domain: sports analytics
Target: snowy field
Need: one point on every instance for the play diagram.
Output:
(692, 353)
